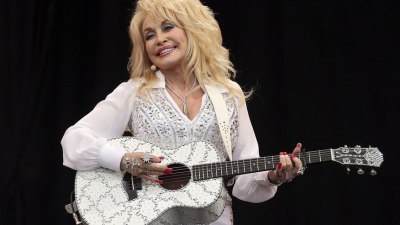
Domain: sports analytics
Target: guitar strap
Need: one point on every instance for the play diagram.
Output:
(222, 114)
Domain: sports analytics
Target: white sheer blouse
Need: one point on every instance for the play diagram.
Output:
(85, 143)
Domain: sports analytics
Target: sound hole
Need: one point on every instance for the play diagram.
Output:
(178, 179)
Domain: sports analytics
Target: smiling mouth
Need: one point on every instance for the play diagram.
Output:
(166, 51)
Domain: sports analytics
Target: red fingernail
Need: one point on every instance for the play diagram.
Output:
(159, 181)
(161, 157)
(292, 155)
(298, 145)
(281, 153)
(284, 153)
(279, 165)
(168, 171)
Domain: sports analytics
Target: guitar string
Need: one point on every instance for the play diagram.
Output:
(308, 155)
(214, 170)
(234, 165)
(187, 176)
(174, 179)
(203, 171)
(175, 176)
(267, 158)
(217, 168)
(240, 166)
(255, 159)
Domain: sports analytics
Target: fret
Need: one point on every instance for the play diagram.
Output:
(309, 157)
(203, 172)
(207, 170)
(244, 167)
(319, 153)
(265, 163)
(216, 169)
(221, 170)
(258, 169)
(199, 176)
(211, 171)
(272, 160)
(237, 165)
(194, 173)
(232, 168)
(251, 167)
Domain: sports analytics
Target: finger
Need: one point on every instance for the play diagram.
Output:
(151, 172)
(298, 148)
(150, 178)
(289, 165)
(278, 171)
(297, 161)
(134, 171)
(156, 159)
(153, 166)
(283, 161)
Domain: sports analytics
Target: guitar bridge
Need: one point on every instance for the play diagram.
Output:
(132, 185)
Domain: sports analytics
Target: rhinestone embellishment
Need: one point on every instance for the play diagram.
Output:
(146, 157)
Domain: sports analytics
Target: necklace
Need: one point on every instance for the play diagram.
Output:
(183, 99)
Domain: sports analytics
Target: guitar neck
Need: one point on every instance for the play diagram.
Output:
(243, 166)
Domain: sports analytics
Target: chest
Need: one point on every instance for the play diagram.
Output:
(160, 121)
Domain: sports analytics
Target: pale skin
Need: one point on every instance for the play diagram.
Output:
(159, 34)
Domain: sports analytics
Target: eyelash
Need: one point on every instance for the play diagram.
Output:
(166, 28)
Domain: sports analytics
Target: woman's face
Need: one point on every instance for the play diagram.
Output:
(166, 43)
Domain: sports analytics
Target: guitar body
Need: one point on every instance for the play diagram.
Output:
(193, 193)
(102, 199)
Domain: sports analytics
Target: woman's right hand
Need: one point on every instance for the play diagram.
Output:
(133, 163)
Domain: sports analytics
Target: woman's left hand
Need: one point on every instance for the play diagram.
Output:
(285, 171)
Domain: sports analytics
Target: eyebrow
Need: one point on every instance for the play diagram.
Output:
(149, 29)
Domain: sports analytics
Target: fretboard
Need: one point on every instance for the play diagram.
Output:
(243, 166)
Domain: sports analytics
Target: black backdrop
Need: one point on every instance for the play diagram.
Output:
(326, 72)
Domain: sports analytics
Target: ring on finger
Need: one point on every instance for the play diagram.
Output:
(147, 172)
(283, 168)
(300, 171)
(146, 157)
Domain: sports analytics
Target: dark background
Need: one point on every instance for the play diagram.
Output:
(326, 71)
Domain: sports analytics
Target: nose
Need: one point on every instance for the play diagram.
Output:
(161, 40)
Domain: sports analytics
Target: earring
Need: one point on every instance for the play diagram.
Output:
(153, 68)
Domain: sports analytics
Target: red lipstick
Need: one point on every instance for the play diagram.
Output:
(165, 47)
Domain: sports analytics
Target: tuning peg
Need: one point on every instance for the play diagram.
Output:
(360, 171)
(373, 172)
(348, 170)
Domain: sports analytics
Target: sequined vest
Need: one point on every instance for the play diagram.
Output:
(156, 120)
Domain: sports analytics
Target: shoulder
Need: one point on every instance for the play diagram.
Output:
(230, 83)
(127, 88)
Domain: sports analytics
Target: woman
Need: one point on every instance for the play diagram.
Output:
(177, 47)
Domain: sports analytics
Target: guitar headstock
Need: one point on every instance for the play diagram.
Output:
(369, 157)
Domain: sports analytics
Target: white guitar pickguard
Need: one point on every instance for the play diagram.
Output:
(101, 198)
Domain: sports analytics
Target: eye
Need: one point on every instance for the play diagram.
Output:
(149, 36)
(168, 27)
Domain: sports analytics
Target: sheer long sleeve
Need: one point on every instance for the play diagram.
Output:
(85, 143)
(252, 187)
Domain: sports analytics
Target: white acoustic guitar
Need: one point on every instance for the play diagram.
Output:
(190, 195)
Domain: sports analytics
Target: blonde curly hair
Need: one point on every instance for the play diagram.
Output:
(205, 56)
